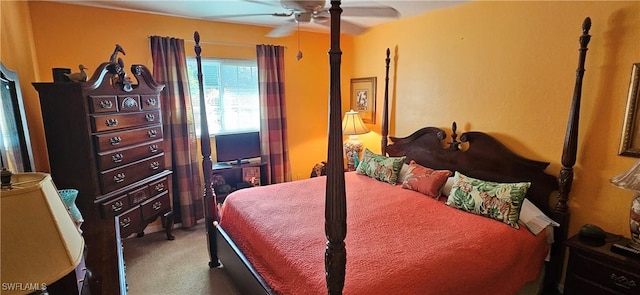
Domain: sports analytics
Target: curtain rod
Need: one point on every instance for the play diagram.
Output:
(229, 43)
(225, 43)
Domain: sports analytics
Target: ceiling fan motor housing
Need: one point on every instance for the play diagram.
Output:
(303, 17)
(303, 6)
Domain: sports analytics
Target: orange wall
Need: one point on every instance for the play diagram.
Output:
(508, 68)
(67, 35)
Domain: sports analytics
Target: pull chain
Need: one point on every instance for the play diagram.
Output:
(299, 56)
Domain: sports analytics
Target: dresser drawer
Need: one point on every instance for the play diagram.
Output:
(160, 204)
(130, 222)
(138, 196)
(602, 276)
(115, 140)
(155, 188)
(119, 177)
(128, 103)
(103, 104)
(120, 157)
(149, 102)
(101, 123)
(115, 206)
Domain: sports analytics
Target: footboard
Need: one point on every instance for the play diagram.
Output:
(247, 279)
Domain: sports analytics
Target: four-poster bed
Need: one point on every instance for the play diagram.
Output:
(375, 265)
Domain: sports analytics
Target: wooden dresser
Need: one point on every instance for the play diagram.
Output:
(105, 139)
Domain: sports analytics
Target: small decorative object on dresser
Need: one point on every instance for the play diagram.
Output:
(630, 180)
(251, 175)
(79, 76)
(69, 198)
(105, 139)
(599, 269)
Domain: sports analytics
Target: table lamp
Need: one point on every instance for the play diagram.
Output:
(40, 242)
(630, 180)
(353, 126)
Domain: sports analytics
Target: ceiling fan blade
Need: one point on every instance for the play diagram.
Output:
(277, 14)
(371, 11)
(265, 2)
(282, 30)
(347, 27)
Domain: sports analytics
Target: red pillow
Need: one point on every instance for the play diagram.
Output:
(425, 180)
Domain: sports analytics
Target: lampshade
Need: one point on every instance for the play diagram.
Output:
(630, 180)
(352, 124)
(40, 242)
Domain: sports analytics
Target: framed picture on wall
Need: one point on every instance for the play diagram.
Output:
(630, 143)
(363, 98)
(251, 175)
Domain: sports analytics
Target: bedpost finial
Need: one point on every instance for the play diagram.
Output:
(454, 144)
(388, 52)
(196, 37)
(586, 25)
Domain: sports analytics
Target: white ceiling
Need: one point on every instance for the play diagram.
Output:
(228, 10)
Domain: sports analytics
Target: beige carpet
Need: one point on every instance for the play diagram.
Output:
(155, 265)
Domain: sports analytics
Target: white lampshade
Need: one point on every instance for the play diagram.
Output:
(40, 242)
(352, 124)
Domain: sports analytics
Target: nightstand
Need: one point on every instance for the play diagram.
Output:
(594, 269)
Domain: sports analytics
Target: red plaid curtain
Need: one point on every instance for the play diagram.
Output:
(273, 124)
(170, 68)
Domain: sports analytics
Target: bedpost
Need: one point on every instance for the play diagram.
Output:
(570, 148)
(335, 204)
(569, 151)
(385, 107)
(210, 203)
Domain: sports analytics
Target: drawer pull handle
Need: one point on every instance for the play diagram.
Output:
(115, 140)
(152, 133)
(150, 117)
(116, 206)
(152, 101)
(125, 222)
(138, 200)
(153, 148)
(117, 158)
(154, 165)
(129, 102)
(157, 205)
(119, 177)
(159, 187)
(106, 104)
(623, 281)
(111, 122)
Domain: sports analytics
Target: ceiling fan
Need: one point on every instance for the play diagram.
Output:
(306, 11)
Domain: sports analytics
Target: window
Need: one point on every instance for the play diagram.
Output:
(231, 94)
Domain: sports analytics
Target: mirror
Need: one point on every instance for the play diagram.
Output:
(15, 145)
(630, 143)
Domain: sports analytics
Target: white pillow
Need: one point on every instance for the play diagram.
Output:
(446, 188)
(402, 175)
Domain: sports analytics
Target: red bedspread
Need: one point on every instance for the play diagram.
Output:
(398, 241)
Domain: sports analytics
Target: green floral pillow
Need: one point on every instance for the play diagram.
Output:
(499, 201)
(380, 167)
